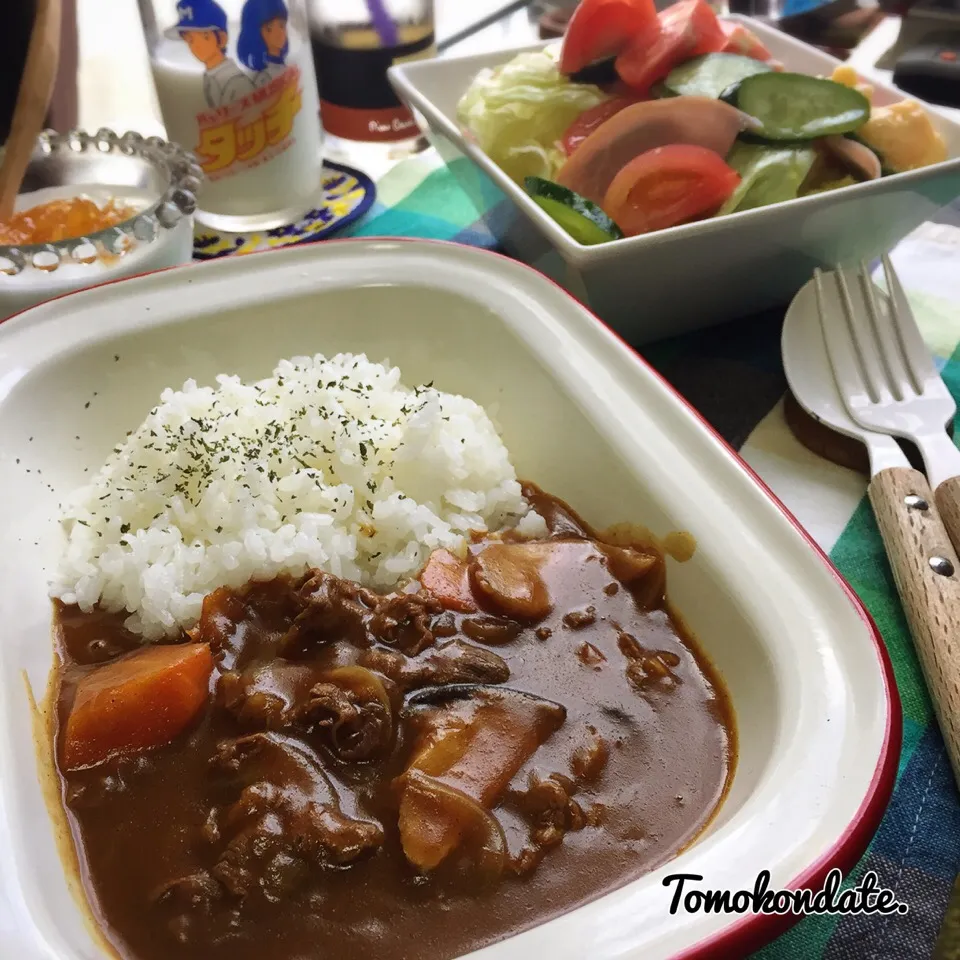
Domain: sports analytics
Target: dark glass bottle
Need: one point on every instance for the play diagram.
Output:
(354, 44)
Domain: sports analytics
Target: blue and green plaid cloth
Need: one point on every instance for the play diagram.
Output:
(733, 375)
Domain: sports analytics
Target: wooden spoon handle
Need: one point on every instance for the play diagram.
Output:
(33, 101)
(948, 503)
(918, 547)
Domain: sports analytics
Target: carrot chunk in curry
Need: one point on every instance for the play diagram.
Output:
(142, 700)
(447, 578)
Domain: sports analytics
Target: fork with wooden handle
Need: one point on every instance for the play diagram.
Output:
(925, 565)
(889, 382)
(924, 396)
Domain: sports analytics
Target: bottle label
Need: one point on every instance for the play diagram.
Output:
(356, 99)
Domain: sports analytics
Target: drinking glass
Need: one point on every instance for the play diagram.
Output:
(769, 11)
(236, 85)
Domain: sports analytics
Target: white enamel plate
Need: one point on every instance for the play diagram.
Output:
(816, 708)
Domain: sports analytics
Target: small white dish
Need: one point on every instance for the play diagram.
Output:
(155, 178)
(816, 706)
(698, 274)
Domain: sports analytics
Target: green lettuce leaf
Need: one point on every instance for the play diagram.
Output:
(519, 112)
(768, 174)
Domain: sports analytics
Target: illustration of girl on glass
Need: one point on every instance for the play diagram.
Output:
(263, 44)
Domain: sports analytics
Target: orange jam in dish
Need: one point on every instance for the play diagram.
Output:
(62, 220)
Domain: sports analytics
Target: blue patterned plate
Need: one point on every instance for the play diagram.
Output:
(347, 195)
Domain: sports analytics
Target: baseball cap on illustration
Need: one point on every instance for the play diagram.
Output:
(198, 15)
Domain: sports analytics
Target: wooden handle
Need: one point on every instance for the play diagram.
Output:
(33, 101)
(948, 503)
(917, 545)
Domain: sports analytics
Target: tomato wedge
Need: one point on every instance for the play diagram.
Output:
(602, 28)
(686, 29)
(590, 119)
(667, 186)
(741, 40)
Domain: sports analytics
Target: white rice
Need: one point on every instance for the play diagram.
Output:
(330, 463)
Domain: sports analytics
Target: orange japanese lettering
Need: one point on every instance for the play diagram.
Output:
(251, 138)
(225, 139)
(279, 118)
(218, 147)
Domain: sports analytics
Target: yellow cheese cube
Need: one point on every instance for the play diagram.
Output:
(904, 136)
(848, 77)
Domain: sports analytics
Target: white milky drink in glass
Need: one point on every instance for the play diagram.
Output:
(237, 87)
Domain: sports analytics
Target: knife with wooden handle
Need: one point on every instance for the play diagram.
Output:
(927, 573)
(947, 496)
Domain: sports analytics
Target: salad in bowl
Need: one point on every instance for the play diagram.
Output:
(640, 121)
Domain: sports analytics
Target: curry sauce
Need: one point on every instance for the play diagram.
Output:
(413, 775)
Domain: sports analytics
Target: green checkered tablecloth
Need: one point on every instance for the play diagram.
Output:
(733, 375)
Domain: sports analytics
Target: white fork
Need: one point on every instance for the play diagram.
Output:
(886, 374)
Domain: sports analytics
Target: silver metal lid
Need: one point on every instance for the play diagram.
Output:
(162, 170)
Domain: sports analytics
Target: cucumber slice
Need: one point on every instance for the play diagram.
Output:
(583, 220)
(712, 74)
(793, 106)
(768, 174)
(660, 90)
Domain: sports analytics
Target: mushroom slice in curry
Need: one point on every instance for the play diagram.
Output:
(471, 742)
(507, 577)
(454, 662)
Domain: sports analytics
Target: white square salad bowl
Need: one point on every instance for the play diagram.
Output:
(698, 274)
(817, 713)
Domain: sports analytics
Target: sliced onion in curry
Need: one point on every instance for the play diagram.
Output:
(353, 704)
(269, 756)
(490, 629)
(363, 682)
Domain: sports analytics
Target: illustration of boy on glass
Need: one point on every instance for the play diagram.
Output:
(202, 25)
(263, 43)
